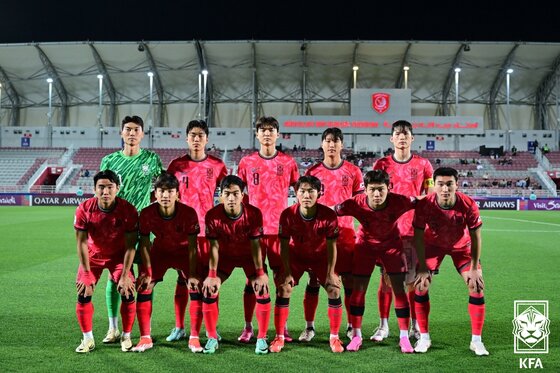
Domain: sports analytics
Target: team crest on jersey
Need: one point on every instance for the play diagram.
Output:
(345, 180)
(279, 170)
(254, 170)
(381, 102)
(145, 169)
(209, 174)
(413, 174)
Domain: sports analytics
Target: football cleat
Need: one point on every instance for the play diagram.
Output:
(87, 345)
(406, 347)
(194, 345)
(336, 345)
(307, 335)
(261, 348)
(211, 346)
(479, 349)
(354, 344)
(126, 343)
(422, 345)
(176, 334)
(112, 336)
(144, 344)
(287, 337)
(246, 335)
(277, 344)
(380, 334)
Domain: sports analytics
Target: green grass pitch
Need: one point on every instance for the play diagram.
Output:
(39, 331)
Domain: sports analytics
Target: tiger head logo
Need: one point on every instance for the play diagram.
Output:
(531, 326)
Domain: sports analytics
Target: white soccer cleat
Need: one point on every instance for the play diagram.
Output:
(307, 335)
(112, 335)
(422, 345)
(479, 349)
(380, 334)
(126, 343)
(87, 345)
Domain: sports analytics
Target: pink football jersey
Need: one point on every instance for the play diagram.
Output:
(198, 181)
(410, 178)
(268, 181)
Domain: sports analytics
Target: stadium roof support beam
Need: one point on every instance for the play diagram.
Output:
(58, 86)
(303, 49)
(495, 89)
(400, 80)
(354, 63)
(208, 98)
(13, 96)
(450, 79)
(544, 91)
(157, 83)
(255, 93)
(108, 83)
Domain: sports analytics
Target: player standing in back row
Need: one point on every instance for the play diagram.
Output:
(340, 180)
(136, 168)
(410, 175)
(268, 175)
(199, 175)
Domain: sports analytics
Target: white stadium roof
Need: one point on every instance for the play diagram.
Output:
(252, 77)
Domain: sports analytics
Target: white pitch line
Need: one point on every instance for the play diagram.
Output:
(522, 221)
(518, 231)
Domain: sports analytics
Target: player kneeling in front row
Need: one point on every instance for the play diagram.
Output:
(175, 227)
(448, 222)
(234, 229)
(106, 232)
(308, 232)
(378, 211)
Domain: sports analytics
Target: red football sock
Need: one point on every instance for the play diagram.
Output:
(384, 297)
(181, 300)
(128, 314)
(402, 310)
(335, 315)
(249, 302)
(357, 307)
(281, 313)
(310, 302)
(477, 310)
(422, 305)
(195, 311)
(263, 315)
(84, 313)
(210, 316)
(144, 311)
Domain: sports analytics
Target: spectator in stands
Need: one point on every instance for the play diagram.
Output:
(521, 183)
(238, 148)
(80, 192)
(545, 149)
(438, 161)
(469, 173)
(535, 145)
(513, 151)
(532, 196)
(295, 148)
(86, 173)
(485, 176)
(465, 184)
(502, 183)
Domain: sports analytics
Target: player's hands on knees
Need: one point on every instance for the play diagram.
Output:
(422, 281)
(332, 281)
(143, 282)
(83, 289)
(289, 281)
(193, 284)
(211, 286)
(474, 280)
(260, 285)
(126, 286)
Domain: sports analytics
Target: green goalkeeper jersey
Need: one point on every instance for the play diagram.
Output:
(136, 173)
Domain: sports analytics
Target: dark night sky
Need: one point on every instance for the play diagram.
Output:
(103, 20)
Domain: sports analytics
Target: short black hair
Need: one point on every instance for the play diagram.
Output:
(106, 174)
(376, 177)
(446, 171)
(132, 119)
(403, 125)
(311, 180)
(166, 181)
(232, 180)
(268, 121)
(197, 124)
(335, 132)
